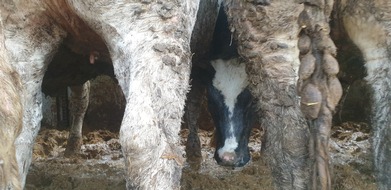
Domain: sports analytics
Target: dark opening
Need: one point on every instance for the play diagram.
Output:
(106, 105)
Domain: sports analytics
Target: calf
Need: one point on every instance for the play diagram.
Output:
(69, 69)
(230, 104)
(229, 100)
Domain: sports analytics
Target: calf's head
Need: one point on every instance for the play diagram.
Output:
(230, 104)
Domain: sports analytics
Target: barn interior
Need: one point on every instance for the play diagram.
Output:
(100, 164)
(107, 103)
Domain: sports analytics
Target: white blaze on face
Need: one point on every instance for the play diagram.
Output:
(231, 79)
(230, 144)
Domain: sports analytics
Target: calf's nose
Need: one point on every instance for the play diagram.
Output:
(228, 158)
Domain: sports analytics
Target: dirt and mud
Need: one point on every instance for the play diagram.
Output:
(100, 164)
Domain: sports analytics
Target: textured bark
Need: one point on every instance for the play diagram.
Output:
(267, 38)
(368, 24)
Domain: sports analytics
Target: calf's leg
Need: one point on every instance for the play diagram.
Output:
(78, 106)
(193, 108)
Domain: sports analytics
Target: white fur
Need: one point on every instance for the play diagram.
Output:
(230, 79)
(230, 144)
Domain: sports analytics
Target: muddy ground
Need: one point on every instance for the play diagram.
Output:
(100, 165)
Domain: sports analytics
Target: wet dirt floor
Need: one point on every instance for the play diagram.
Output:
(100, 165)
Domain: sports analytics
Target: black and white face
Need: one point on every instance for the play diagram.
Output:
(230, 104)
